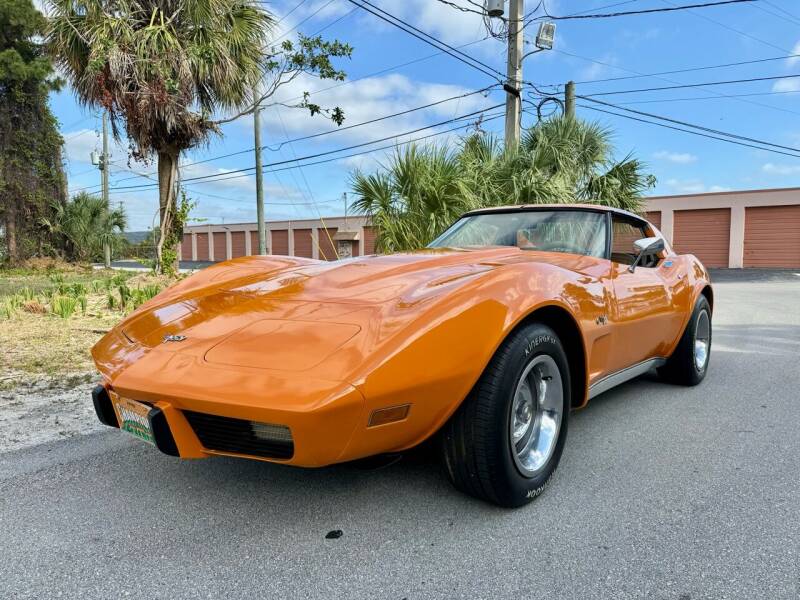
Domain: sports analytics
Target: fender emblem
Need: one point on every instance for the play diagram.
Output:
(601, 320)
(173, 338)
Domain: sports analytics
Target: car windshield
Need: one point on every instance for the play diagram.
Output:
(571, 231)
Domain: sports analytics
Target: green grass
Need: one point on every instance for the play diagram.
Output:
(13, 281)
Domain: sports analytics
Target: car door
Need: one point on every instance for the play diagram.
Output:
(642, 317)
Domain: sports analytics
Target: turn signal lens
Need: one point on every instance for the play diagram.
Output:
(382, 416)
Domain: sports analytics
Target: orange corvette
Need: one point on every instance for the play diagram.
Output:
(489, 337)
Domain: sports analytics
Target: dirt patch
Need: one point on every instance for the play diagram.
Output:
(47, 410)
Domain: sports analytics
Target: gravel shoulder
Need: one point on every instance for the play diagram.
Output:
(47, 410)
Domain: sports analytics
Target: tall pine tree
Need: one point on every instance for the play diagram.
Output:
(31, 172)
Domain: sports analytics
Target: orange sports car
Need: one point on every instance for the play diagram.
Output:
(486, 339)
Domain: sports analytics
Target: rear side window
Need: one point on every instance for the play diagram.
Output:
(624, 232)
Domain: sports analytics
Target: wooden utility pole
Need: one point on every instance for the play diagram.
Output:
(569, 99)
(104, 164)
(262, 231)
(516, 10)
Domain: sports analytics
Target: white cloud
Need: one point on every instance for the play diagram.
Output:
(436, 18)
(786, 85)
(693, 186)
(605, 65)
(366, 100)
(681, 158)
(78, 145)
(774, 169)
(793, 60)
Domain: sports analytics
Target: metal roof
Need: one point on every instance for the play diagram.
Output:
(553, 206)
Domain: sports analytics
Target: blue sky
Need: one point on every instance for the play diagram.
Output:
(585, 50)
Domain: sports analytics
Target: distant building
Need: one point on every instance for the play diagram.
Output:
(752, 228)
(326, 238)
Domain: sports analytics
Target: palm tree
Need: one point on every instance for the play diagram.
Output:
(85, 226)
(425, 188)
(164, 67)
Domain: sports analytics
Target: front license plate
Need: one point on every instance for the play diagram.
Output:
(132, 417)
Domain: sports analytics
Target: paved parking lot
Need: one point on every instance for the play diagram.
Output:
(663, 492)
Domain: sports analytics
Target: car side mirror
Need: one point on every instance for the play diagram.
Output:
(647, 247)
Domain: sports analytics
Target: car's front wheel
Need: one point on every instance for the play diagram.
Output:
(689, 362)
(504, 442)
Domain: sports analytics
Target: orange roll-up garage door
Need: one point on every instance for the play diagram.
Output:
(237, 244)
(772, 237)
(202, 246)
(704, 233)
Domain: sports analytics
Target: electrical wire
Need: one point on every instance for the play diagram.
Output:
(716, 93)
(331, 131)
(695, 85)
(491, 117)
(729, 28)
(643, 11)
(327, 152)
(689, 69)
(694, 129)
(429, 39)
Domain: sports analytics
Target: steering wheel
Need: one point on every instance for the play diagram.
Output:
(561, 246)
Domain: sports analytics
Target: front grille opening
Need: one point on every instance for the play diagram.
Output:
(239, 436)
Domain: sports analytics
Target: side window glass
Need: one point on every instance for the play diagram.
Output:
(624, 234)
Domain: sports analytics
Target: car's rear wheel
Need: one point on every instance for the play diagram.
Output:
(689, 362)
(504, 442)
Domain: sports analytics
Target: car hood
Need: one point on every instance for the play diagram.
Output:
(291, 315)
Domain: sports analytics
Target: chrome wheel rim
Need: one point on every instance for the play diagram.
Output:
(702, 340)
(536, 412)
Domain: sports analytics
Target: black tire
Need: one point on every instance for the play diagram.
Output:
(682, 368)
(476, 441)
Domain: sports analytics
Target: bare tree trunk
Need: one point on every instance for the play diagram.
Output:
(11, 231)
(167, 166)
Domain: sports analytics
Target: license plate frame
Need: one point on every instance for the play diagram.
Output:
(133, 419)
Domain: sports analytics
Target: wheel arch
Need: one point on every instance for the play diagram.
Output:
(568, 331)
(708, 292)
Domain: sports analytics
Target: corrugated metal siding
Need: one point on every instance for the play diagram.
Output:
(186, 247)
(303, 243)
(704, 233)
(220, 246)
(772, 236)
(237, 244)
(202, 246)
(654, 217)
(280, 242)
(370, 233)
(327, 246)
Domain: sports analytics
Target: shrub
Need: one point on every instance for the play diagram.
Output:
(63, 306)
(83, 302)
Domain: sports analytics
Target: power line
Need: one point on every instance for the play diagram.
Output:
(793, 20)
(668, 100)
(327, 152)
(332, 23)
(719, 94)
(729, 28)
(299, 4)
(360, 153)
(429, 39)
(690, 69)
(783, 10)
(715, 133)
(643, 11)
(696, 85)
(329, 132)
(308, 18)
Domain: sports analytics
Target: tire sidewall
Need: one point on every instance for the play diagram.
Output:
(534, 340)
(702, 306)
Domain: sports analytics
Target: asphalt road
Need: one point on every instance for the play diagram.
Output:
(663, 492)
